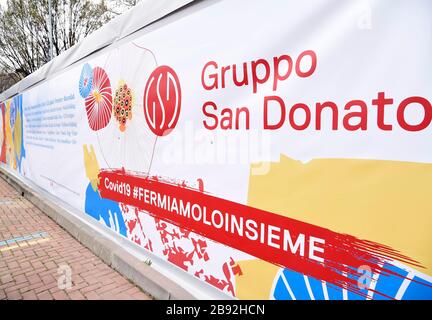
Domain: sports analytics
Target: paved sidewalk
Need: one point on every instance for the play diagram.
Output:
(37, 256)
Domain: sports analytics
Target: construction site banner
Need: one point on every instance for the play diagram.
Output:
(273, 150)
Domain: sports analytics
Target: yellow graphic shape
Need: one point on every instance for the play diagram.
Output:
(389, 202)
(383, 201)
(91, 166)
(17, 138)
(257, 279)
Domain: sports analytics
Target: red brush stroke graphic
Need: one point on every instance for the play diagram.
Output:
(177, 245)
(228, 269)
(132, 225)
(343, 254)
(184, 258)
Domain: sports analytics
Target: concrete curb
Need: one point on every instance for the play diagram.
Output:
(147, 278)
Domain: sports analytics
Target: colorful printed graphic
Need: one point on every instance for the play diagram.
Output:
(17, 132)
(379, 212)
(12, 113)
(400, 285)
(86, 81)
(2, 133)
(103, 210)
(12, 149)
(315, 155)
(123, 103)
(99, 103)
(118, 142)
(341, 257)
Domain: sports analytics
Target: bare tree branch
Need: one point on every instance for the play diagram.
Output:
(24, 38)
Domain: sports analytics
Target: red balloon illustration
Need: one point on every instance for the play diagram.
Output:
(99, 102)
(162, 100)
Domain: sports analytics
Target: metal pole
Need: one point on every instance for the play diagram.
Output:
(50, 34)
